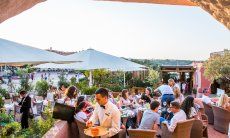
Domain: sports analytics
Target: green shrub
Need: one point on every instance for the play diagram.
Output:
(82, 83)
(4, 93)
(89, 90)
(5, 118)
(23, 73)
(1, 102)
(11, 129)
(115, 88)
(194, 91)
(42, 87)
(62, 80)
(73, 81)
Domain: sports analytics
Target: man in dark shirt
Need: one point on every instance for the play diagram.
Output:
(25, 108)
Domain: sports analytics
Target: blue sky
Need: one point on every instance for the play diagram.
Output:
(131, 30)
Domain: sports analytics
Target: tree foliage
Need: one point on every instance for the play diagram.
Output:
(153, 77)
(218, 66)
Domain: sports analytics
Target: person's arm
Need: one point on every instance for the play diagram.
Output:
(155, 127)
(94, 118)
(84, 117)
(115, 123)
(172, 126)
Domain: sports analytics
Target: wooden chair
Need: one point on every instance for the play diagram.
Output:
(221, 119)
(121, 134)
(183, 128)
(209, 112)
(197, 129)
(81, 126)
(75, 121)
(141, 133)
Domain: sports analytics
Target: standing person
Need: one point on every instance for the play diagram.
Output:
(25, 108)
(172, 84)
(106, 113)
(183, 87)
(166, 92)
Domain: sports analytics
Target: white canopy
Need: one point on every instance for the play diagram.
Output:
(12, 53)
(92, 59)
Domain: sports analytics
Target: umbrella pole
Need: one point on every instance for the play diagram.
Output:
(124, 79)
(90, 78)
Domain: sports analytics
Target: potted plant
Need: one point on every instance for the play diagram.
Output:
(89, 90)
(11, 129)
(194, 91)
(1, 102)
(42, 88)
(4, 93)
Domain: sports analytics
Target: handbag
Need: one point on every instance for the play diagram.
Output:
(63, 112)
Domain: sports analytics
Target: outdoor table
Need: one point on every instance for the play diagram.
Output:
(102, 131)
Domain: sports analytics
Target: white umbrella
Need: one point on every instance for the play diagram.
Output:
(93, 59)
(15, 54)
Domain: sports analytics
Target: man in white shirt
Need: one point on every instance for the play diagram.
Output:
(172, 84)
(106, 113)
(166, 92)
(179, 115)
(205, 97)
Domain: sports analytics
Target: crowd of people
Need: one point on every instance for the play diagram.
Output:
(166, 105)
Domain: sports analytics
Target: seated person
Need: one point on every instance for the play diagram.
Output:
(179, 97)
(179, 115)
(124, 100)
(111, 98)
(224, 102)
(80, 112)
(205, 97)
(146, 97)
(71, 95)
(89, 107)
(62, 90)
(189, 108)
(166, 114)
(151, 118)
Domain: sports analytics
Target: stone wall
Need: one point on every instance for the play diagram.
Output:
(219, 9)
(10, 8)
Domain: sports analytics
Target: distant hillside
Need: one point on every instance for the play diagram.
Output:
(61, 52)
(158, 62)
